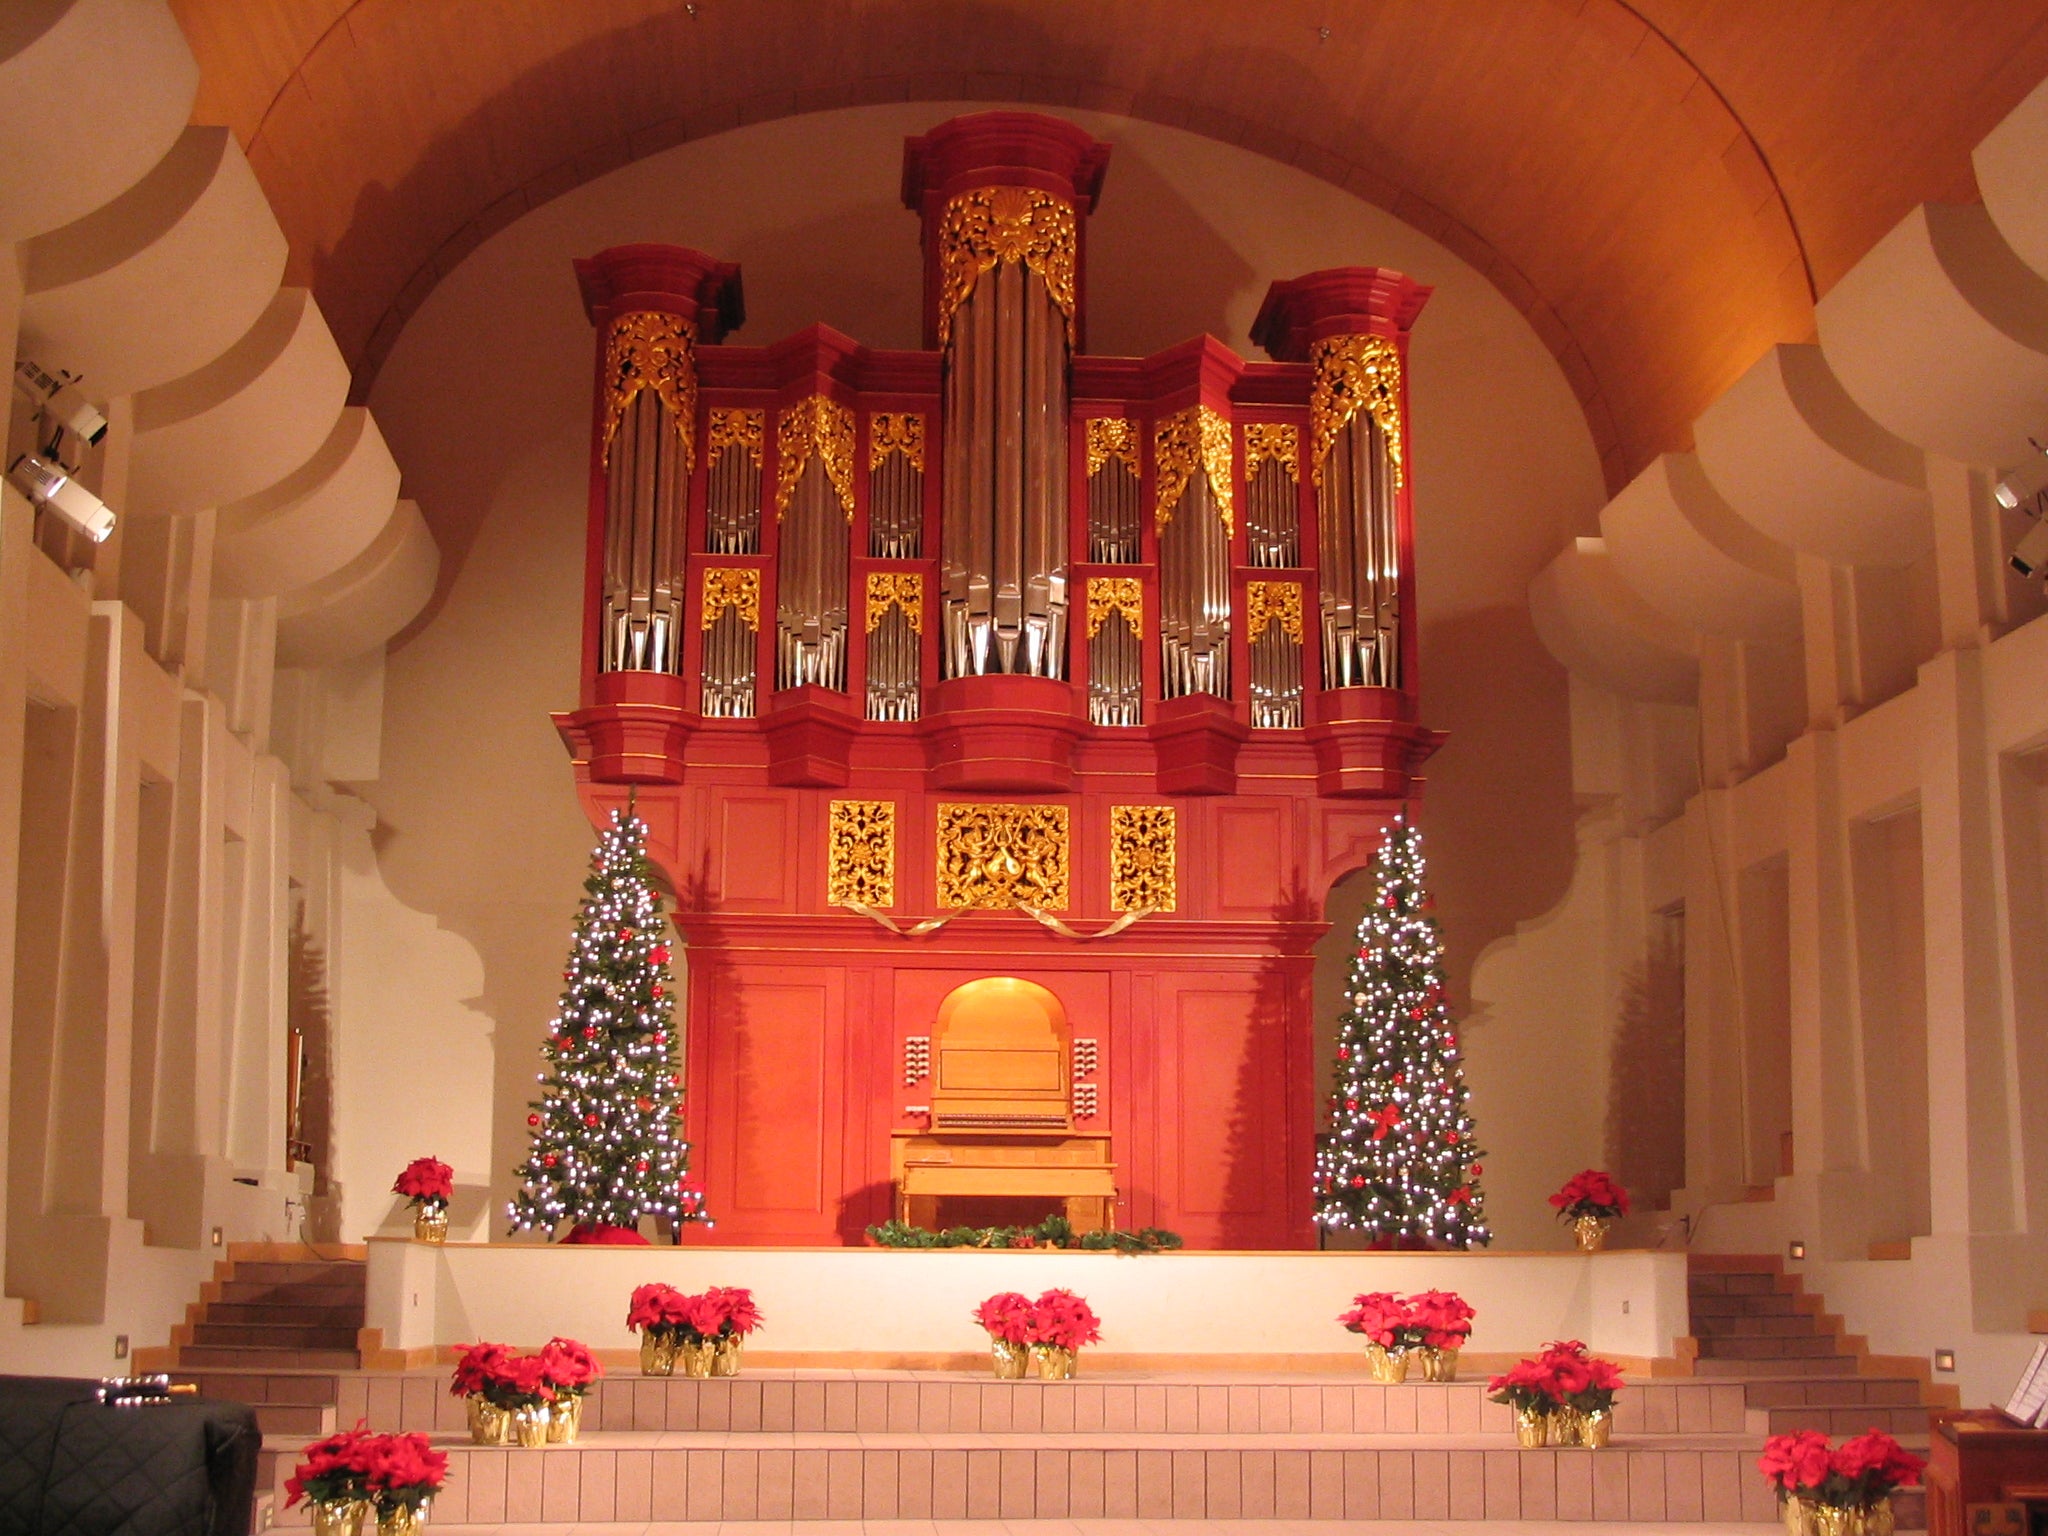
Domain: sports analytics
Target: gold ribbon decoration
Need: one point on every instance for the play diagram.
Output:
(898, 589)
(1116, 594)
(731, 586)
(989, 226)
(1279, 441)
(650, 349)
(1111, 437)
(1353, 374)
(1272, 602)
(1197, 438)
(1038, 915)
(734, 427)
(896, 432)
(819, 425)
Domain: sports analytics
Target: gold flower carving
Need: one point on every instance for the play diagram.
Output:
(900, 589)
(1111, 437)
(1279, 441)
(649, 349)
(1272, 602)
(1196, 439)
(1116, 594)
(731, 586)
(733, 427)
(984, 228)
(896, 432)
(1353, 374)
(819, 425)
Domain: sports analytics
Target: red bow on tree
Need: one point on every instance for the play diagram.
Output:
(1385, 1119)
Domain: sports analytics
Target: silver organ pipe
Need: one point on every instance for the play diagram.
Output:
(732, 490)
(1355, 419)
(1193, 517)
(1272, 511)
(895, 629)
(1008, 256)
(896, 485)
(651, 416)
(731, 610)
(1274, 635)
(1116, 670)
(814, 506)
(1113, 490)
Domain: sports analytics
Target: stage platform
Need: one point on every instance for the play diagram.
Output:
(892, 1309)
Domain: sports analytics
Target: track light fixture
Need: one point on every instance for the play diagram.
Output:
(2021, 491)
(58, 401)
(50, 486)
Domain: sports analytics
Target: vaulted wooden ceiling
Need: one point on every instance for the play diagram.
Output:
(1662, 186)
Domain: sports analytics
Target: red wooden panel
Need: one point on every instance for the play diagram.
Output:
(756, 860)
(1252, 849)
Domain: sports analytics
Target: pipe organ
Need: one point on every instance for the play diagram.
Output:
(821, 575)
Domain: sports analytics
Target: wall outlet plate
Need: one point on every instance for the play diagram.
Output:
(120, 1346)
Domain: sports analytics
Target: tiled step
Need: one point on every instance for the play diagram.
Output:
(307, 1388)
(1768, 1348)
(301, 1272)
(1785, 1325)
(1759, 1370)
(1774, 1303)
(303, 1314)
(1833, 1391)
(1841, 1420)
(778, 1403)
(307, 1293)
(1701, 1283)
(296, 1418)
(274, 1335)
(644, 1477)
(242, 1357)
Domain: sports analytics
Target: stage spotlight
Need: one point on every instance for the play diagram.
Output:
(56, 398)
(49, 485)
(2031, 553)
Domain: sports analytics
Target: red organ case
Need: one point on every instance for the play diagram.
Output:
(1108, 663)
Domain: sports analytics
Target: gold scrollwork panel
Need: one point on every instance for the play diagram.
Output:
(1187, 443)
(650, 349)
(731, 586)
(989, 226)
(860, 853)
(997, 855)
(896, 589)
(1353, 374)
(818, 425)
(1142, 858)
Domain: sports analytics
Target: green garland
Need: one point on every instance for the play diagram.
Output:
(1053, 1232)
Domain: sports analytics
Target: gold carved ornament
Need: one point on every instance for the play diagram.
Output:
(1272, 602)
(1116, 594)
(1003, 856)
(1111, 437)
(984, 228)
(860, 854)
(733, 427)
(649, 349)
(1279, 441)
(732, 586)
(1141, 858)
(1353, 374)
(898, 589)
(896, 432)
(819, 425)
(1187, 441)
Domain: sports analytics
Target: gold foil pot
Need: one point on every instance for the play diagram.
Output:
(1437, 1364)
(1011, 1360)
(1388, 1365)
(1591, 1232)
(657, 1353)
(1055, 1363)
(565, 1419)
(530, 1427)
(339, 1517)
(725, 1355)
(430, 1223)
(403, 1519)
(697, 1357)
(488, 1423)
(1532, 1428)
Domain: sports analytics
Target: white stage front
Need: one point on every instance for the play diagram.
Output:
(891, 1308)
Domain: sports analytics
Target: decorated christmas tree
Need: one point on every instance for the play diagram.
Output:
(606, 1134)
(1399, 1164)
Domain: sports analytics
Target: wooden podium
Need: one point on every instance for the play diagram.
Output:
(1982, 1468)
(1002, 1118)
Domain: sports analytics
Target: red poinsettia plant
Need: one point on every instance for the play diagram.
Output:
(427, 1182)
(1062, 1319)
(1006, 1316)
(1590, 1193)
(335, 1470)
(1563, 1376)
(503, 1377)
(723, 1312)
(571, 1369)
(1857, 1474)
(405, 1471)
(1426, 1320)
